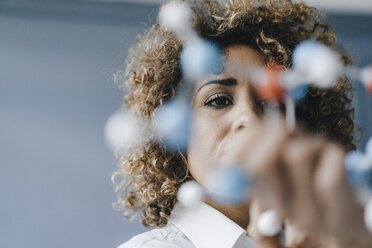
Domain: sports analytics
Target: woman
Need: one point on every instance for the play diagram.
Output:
(302, 171)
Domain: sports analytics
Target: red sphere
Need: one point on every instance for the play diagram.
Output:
(271, 90)
(369, 87)
(369, 83)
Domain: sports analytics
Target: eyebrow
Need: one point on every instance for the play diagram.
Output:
(226, 82)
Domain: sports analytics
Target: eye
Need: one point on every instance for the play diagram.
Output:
(218, 101)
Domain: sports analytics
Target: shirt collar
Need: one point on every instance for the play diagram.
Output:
(206, 227)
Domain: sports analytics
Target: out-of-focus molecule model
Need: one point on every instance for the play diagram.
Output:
(191, 194)
(228, 185)
(269, 223)
(172, 124)
(123, 131)
(313, 63)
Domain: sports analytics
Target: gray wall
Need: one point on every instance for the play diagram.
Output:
(355, 33)
(56, 92)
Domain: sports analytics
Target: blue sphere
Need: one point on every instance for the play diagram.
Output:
(369, 149)
(230, 186)
(200, 58)
(353, 159)
(299, 92)
(359, 170)
(172, 122)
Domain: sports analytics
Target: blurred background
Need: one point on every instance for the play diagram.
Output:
(57, 58)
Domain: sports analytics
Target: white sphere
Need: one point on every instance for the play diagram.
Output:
(269, 223)
(317, 63)
(369, 149)
(122, 130)
(177, 16)
(190, 194)
(368, 215)
(366, 75)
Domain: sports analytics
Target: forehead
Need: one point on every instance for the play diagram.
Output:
(239, 57)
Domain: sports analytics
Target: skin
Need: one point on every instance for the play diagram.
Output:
(291, 171)
(222, 107)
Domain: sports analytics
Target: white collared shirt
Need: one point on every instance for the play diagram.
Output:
(198, 227)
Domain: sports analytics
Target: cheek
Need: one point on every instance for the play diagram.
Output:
(204, 140)
(212, 142)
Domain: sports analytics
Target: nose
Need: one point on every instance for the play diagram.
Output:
(241, 122)
(244, 117)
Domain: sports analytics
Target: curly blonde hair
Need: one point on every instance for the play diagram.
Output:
(150, 175)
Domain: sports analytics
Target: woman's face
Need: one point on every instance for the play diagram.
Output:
(224, 106)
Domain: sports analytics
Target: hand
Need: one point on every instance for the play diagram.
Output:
(303, 178)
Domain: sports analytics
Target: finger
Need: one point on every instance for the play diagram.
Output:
(342, 215)
(261, 154)
(299, 160)
(299, 237)
(329, 183)
(261, 161)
